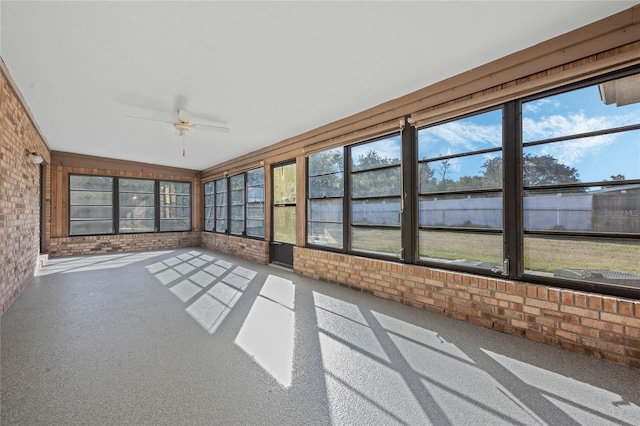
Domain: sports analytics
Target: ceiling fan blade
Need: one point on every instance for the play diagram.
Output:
(221, 129)
(150, 119)
(184, 115)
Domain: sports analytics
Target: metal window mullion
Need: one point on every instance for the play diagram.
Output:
(512, 191)
(346, 201)
(116, 205)
(408, 223)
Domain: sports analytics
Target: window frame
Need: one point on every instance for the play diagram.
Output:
(512, 190)
(116, 205)
(228, 206)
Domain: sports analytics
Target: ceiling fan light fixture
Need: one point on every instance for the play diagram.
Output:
(182, 127)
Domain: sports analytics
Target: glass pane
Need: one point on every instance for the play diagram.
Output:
(475, 133)
(284, 224)
(381, 153)
(137, 213)
(136, 225)
(255, 228)
(91, 198)
(237, 226)
(462, 174)
(255, 177)
(385, 211)
(255, 211)
(175, 188)
(600, 158)
(137, 185)
(91, 212)
(376, 183)
(237, 212)
(284, 184)
(132, 200)
(209, 200)
(175, 225)
(329, 210)
(91, 227)
(325, 234)
(331, 161)
(221, 225)
(221, 199)
(471, 211)
(221, 212)
(221, 185)
(237, 197)
(208, 188)
(237, 182)
(326, 186)
(598, 107)
(255, 194)
(462, 248)
(93, 183)
(612, 209)
(593, 259)
(383, 241)
(174, 212)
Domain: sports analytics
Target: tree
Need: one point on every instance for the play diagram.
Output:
(546, 170)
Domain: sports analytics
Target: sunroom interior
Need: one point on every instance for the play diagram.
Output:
(496, 181)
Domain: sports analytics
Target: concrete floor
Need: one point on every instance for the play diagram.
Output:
(192, 336)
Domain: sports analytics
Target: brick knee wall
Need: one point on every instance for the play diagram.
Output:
(256, 250)
(122, 243)
(592, 324)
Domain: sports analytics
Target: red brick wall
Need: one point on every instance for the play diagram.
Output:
(256, 250)
(122, 243)
(591, 324)
(19, 194)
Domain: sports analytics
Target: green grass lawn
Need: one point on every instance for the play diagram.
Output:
(541, 254)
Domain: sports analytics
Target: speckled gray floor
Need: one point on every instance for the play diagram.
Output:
(192, 336)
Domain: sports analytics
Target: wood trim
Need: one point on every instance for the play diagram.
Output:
(550, 80)
(69, 159)
(608, 33)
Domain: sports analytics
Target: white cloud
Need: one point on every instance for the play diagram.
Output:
(572, 152)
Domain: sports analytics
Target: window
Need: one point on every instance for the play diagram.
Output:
(237, 204)
(137, 206)
(460, 191)
(221, 205)
(175, 206)
(326, 195)
(255, 203)
(581, 181)
(143, 205)
(209, 206)
(375, 196)
(90, 205)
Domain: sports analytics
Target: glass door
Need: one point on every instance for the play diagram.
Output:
(284, 213)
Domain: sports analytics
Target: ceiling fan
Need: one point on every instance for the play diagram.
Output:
(182, 125)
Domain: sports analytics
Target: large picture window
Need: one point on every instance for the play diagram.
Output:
(237, 204)
(137, 205)
(112, 205)
(255, 203)
(581, 177)
(460, 191)
(221, 205)
(375, 196)
(326, 195)
(175, 206)
(90, 205)
(209, 206)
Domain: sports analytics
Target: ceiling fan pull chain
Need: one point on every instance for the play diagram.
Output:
(183, 144)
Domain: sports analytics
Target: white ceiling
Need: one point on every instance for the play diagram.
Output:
(267, 70)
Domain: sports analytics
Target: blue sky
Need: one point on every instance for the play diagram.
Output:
(565, 114)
